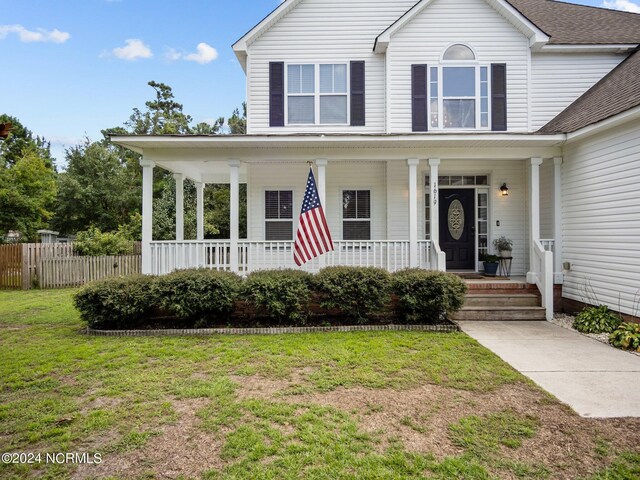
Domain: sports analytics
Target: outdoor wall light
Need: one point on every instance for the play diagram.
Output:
(504, 190)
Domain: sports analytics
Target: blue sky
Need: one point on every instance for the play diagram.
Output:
(68, 70)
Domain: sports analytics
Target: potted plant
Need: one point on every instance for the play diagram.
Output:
(503, 245)
(490, 264)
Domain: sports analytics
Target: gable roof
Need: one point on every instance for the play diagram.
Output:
(570, 24)
(503, 7)
(616, 93)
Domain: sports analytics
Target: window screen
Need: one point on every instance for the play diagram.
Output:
(278, 214)
(356, 214)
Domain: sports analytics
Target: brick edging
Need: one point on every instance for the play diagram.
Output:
(270, 330)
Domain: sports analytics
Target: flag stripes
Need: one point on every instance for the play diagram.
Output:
(313, 237)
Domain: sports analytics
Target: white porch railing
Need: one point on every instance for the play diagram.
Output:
(391, 255)
(543, 269)
(438, 258)
(548, 244)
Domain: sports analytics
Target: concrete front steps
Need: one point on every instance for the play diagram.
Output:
(500, 301)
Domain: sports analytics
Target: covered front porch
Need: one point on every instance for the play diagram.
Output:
(391, 201)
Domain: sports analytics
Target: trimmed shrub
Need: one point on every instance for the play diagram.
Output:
(282, 296)
(356, 292)
(596, 320)
(427, 296)
(626, 336)
(199, 297)
(115, 303)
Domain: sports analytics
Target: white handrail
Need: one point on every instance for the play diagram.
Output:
(543, 263)
(548, 244)
(438, 258)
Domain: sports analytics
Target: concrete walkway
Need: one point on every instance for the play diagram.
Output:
(594, 379)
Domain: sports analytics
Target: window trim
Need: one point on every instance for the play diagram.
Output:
(316, 95)
(477, 65)
(293, 219)
(370, 219)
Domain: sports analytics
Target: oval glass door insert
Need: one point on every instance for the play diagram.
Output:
(456, 219)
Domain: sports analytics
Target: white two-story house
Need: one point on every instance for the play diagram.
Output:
(433, 128)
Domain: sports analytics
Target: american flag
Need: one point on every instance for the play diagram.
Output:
(313, 238)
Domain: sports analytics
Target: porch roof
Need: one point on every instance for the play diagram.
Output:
(139, 143)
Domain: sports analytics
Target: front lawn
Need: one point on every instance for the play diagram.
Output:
(390, 405)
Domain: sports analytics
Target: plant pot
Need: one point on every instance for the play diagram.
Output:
(505, 253)
(490, 269)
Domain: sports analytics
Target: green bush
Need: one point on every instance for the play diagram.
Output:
(93, 242)
(596, 320)
(356, 292)
(282, 296)
(115, 303)
(198, 296)
(425, 295)
(627, 336)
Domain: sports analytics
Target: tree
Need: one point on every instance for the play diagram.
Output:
(27, 194)
(237, 124)
(21, 142)
(97, 189)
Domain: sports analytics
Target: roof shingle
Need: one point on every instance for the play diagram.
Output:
(570, 24)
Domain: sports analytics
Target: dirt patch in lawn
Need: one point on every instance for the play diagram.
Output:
(180, 448)
(419, 419)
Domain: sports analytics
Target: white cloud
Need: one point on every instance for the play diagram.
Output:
(624, 5)
(204, 54)
(39, 35)
(133, 50)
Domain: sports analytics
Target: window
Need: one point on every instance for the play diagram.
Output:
(459, 91)
(356, 215)
(278, 214)
(317, 95)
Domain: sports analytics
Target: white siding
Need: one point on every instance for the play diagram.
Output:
(339, 176)
(323, 31)
(558, 79)
(601, 217)
(424, 39)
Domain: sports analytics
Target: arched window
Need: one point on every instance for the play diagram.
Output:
(459, 91)
(458, 52)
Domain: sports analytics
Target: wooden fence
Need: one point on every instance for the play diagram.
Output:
(24, 265)
(10, 266)
(76, 271)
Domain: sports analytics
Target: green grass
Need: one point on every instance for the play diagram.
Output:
(61, 390)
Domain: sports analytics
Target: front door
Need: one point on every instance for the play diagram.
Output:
(457, 228)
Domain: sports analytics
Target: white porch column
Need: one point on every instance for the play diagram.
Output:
(179, 178)
(200, 211)
(321, 164)
(534, 215)
(147, 214)
(557, 220)
(413, 211)
(234, 212)
(434, 213)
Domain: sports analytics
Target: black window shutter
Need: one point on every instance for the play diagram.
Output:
(276, 94)
(419, 98)
(357, 94)
(498, 97)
